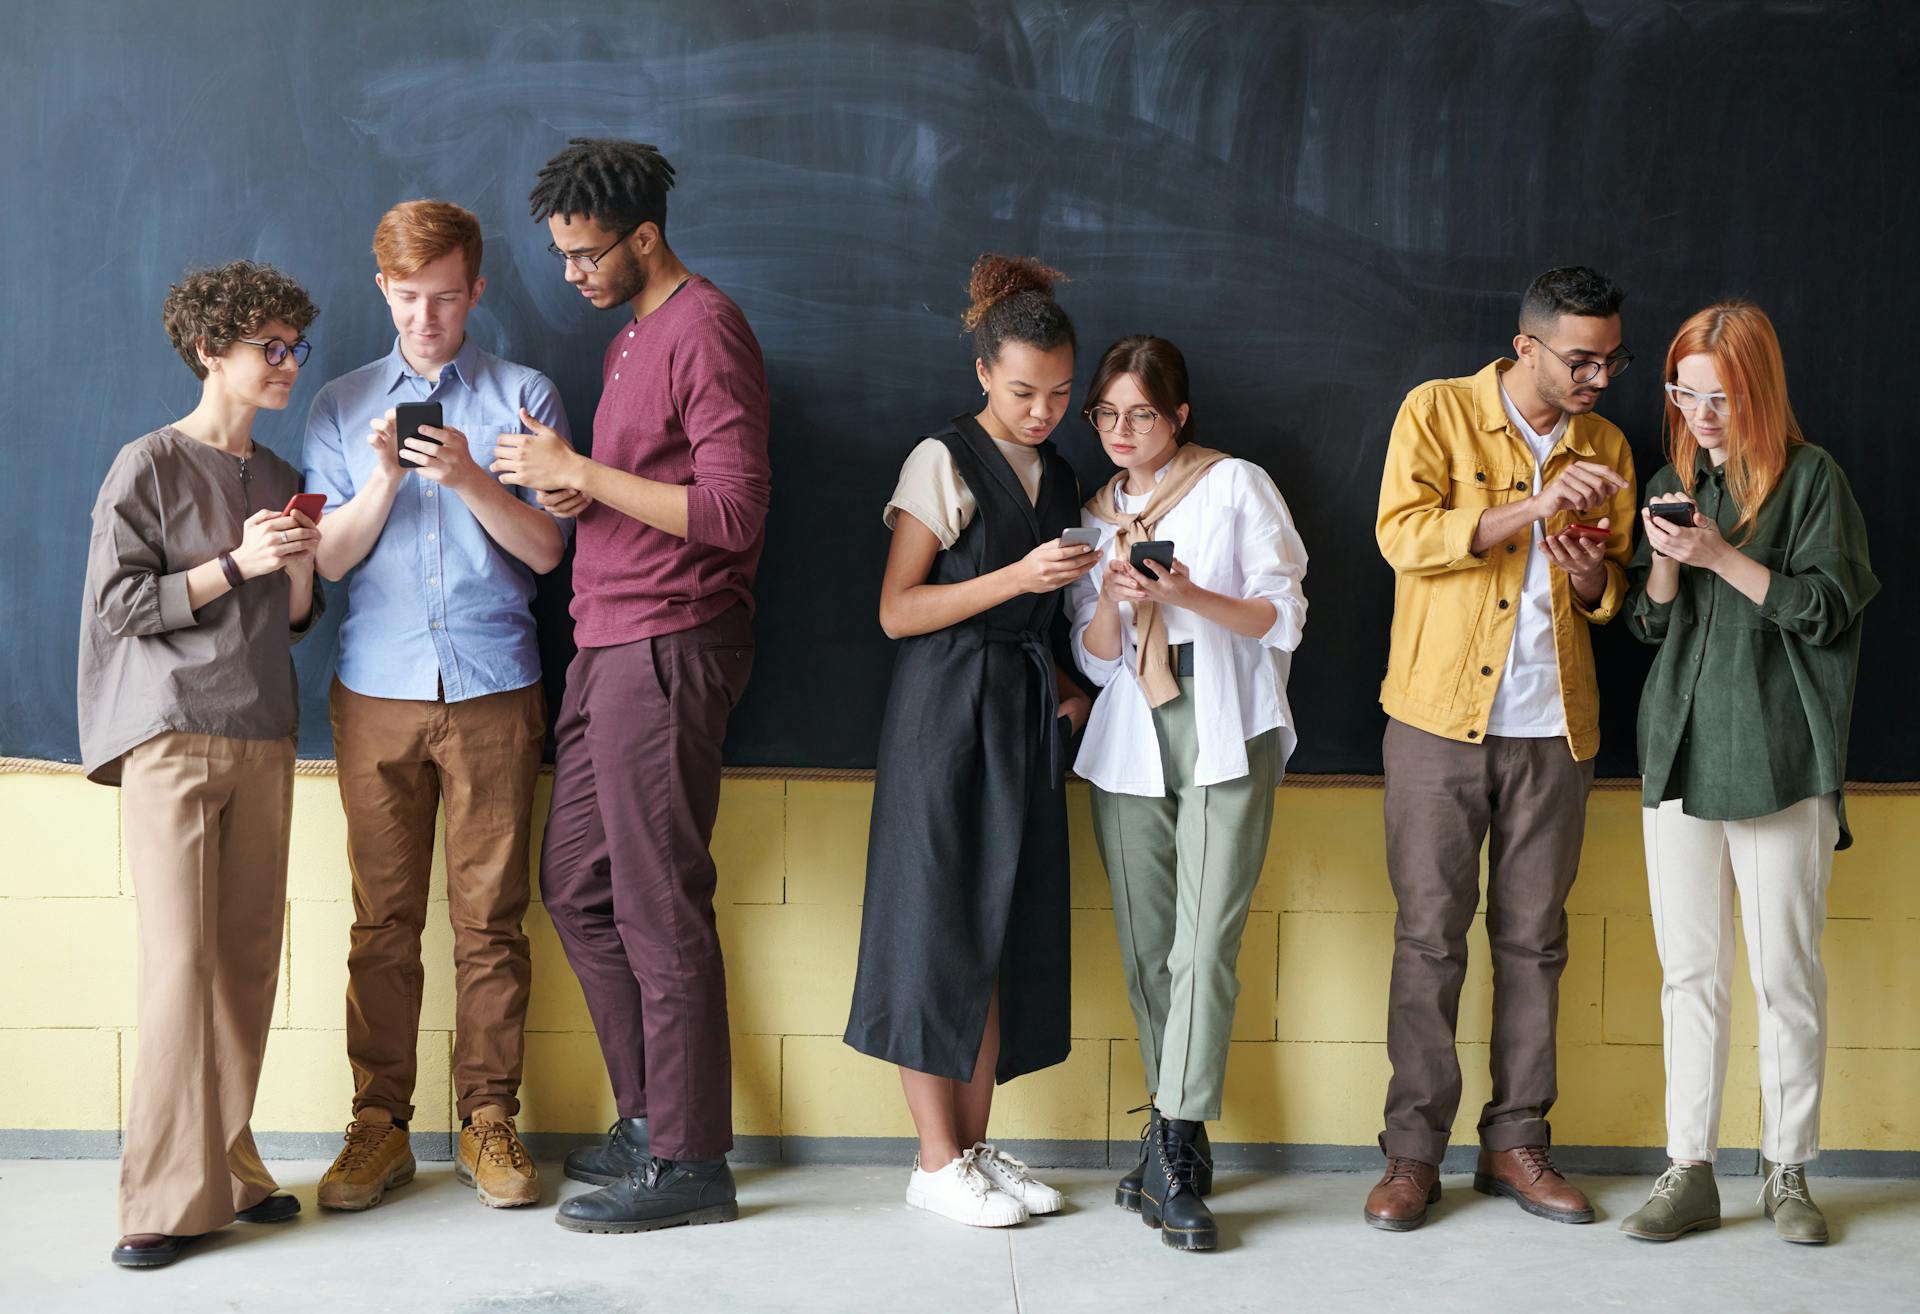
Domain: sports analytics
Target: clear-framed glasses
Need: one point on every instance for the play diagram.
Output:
(1140, 419)
(277, 351)
(590, 261)
(1689, 400)
(1586, 371)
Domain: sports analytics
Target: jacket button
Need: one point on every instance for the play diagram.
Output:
(1503, 604)
(1473, 734)
(1520, 484)
(1481, 475)
(1486, 670)
(1513, 547)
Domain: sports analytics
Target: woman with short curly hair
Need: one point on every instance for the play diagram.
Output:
(199, 576)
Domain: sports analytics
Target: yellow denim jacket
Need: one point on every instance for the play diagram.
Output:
(1453, 455)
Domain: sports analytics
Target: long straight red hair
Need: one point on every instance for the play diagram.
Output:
(1761, 427)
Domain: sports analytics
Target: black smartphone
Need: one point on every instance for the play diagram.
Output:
(1674, 513)
(1159, 551)
(407, 419)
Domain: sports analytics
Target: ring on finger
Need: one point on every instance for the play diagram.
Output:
(283, 536)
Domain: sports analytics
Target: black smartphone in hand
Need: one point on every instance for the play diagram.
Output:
(1674, 513)
(1159, 551)
(407, 419)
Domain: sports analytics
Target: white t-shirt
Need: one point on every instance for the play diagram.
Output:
(931, 490)
(1527, 704)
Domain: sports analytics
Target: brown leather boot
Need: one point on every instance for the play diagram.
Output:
(1398, 1201)
(1527, 1177)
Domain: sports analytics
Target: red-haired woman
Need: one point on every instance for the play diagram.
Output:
(963, 975)
(1750, 578)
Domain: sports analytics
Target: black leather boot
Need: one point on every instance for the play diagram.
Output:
(1169, 1197)
(659, 1193)
(603, 1165)
(1127, 1193)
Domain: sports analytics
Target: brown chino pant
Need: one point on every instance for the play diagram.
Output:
(1443, 801)
(399, 759)
(207, 822)
(628, 879)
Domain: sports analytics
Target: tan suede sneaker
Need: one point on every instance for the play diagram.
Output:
(495, 1164)
(376, 1158)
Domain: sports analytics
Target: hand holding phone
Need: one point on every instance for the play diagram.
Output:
(309, 505)
(407, 419)
(1591, 533)
(1080, 537)
(1679, 514)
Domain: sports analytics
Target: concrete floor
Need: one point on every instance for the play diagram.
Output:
(839, 1239)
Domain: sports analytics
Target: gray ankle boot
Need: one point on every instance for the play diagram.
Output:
(1795, 1216)
(1684, 1200)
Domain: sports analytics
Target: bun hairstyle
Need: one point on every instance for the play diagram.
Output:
(1160, 370)
(1012, 301)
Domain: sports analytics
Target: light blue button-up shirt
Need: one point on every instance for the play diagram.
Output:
(437, 608)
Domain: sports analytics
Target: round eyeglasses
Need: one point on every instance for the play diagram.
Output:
(589, 261)
(277, 351)
(1586, 371)
(1140, 419)
(1689, 400)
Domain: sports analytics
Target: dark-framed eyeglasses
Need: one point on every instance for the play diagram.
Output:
(1586, 371)
(1140, 419)
(277, 351)
(589, 262)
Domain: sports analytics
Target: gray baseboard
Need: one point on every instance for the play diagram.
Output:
(897, 1152)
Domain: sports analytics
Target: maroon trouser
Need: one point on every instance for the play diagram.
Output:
(627, 877)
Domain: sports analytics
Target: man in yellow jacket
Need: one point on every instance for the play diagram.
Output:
(1506, 512)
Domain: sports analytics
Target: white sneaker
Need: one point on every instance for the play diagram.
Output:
(961, 1192)
(1012, 1177)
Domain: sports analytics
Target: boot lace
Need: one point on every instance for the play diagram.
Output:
(1180, 1159)
(1788, 1181)
(364, 1140)
(1667, 1185)
(1536, 1160)
(1407, 1170)
(498, 1143)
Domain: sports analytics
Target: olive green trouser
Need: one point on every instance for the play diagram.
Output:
(1183, 868)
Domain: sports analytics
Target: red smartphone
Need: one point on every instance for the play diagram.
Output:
(1591, 532)
(309, 505)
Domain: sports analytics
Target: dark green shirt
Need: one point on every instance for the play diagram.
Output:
(1746, 708)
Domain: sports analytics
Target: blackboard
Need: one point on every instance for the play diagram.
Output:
(1323, 204)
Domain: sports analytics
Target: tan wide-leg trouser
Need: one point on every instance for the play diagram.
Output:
(206, 821)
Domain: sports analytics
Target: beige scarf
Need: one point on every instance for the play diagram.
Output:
(1149, 631)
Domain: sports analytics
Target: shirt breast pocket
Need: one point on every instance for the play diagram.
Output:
(482, 440)
(1474, 482)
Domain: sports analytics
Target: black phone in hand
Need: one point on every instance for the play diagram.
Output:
(407, 419)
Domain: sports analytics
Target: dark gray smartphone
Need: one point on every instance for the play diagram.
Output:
(1674, 513)
(407, 419)
(1159, 551)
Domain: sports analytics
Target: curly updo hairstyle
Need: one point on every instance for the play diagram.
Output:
(1012, 301)
(211, 309)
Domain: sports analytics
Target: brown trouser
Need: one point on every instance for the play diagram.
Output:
(399, 759)
(628, 879)
(207, 821)
(1443, 800)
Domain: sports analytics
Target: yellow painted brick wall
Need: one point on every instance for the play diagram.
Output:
(1308, 1060)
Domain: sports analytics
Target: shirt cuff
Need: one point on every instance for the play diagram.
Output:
(175, 611)
(1456, 537)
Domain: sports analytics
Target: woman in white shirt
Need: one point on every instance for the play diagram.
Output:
(1188, 738)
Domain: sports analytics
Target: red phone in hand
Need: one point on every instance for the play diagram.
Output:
(309, 505)
(1592, 533)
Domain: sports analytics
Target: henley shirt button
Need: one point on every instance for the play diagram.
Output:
(629, 332)
(623, 355)
(616, 374)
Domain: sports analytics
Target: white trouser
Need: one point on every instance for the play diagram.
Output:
(1780, 865)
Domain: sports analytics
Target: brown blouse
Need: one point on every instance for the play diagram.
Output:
(148, 662)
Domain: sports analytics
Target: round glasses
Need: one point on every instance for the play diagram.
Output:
(589, 261)
(1586, 371)
(1689, 400)
(277, 351)
(1140, 419)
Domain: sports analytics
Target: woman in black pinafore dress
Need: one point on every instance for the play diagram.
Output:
(964, 968)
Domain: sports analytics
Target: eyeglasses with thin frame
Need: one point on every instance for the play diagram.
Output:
(1586, 371)
(1689, 400)
(590, 262)
(276, 351)
(1140, 419)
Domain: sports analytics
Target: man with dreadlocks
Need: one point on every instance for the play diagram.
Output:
(671, 512)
